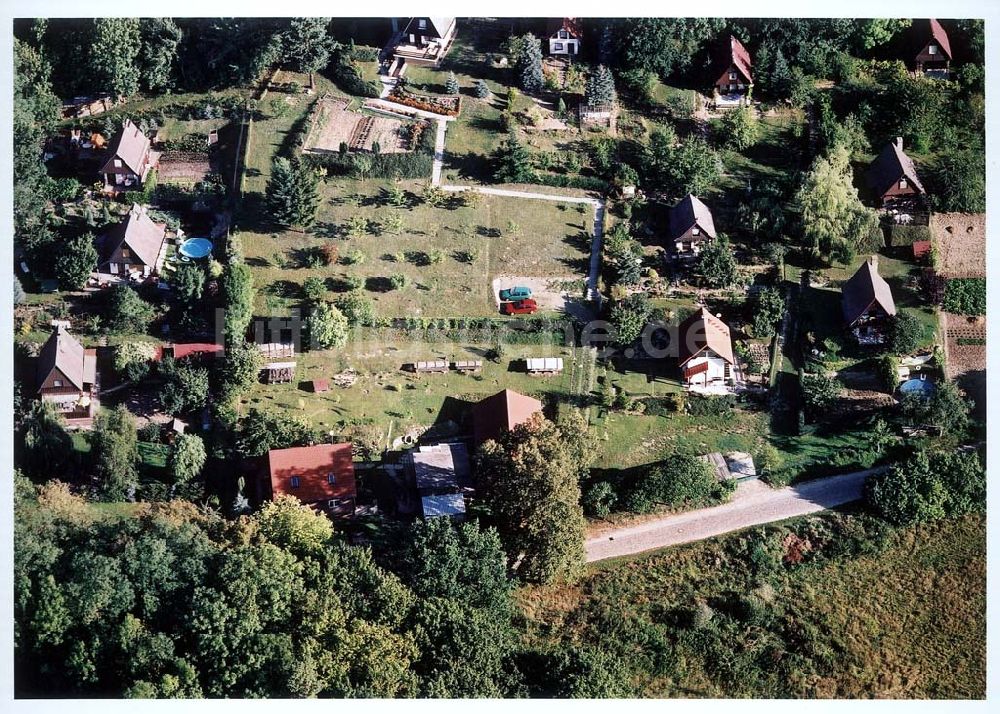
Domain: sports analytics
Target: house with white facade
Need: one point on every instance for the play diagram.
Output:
(564, 35)
(705, 355)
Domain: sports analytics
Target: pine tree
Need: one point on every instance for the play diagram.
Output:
(600, 88)
(482, 89)
(530, 64)
(451, 86)
(292, 195)
(513, 162)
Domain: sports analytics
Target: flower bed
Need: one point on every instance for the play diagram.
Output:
(448, 106)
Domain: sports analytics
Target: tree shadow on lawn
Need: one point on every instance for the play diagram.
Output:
(470, 166)
(378, 285)
(327, 229)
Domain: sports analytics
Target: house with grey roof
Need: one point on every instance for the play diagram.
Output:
(892, 175)
(691, 225)
(129, 159)
(134, 248)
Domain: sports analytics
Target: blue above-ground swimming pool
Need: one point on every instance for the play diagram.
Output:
(195, 248)
(924, 387)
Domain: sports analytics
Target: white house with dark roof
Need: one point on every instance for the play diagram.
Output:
(564, 35)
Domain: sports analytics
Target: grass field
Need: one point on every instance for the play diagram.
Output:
(471, 245)
(904, 619)
(396, 400)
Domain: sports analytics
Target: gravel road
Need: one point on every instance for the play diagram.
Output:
(753, 503)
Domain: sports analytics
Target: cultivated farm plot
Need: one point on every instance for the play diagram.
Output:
(966, 338)
(183, 167)
(961, 244)
(334, 124)
(448, 255)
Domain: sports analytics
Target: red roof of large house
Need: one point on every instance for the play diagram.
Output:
(740, 57)
(493, 416)
(704, 331)
(189, 349)
(940, 36)
(312, 468)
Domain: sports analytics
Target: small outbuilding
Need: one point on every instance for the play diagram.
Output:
(544, 366)
(494, 416)
(565, 35)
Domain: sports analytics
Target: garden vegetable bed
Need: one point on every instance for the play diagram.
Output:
(333, 125)
(448, 106)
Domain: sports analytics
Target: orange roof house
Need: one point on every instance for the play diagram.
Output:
(320, 476)
(496, 415)
(705, 350)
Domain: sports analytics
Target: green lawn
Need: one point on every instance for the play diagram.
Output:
(173, 129)
(396, 400)
(905, 619)
(502, 235)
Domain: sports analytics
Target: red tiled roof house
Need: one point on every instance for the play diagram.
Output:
(129, 159)
(135, 247)
(494, 416)
(564, 35)
(691, 225)
(320, 476)
(705, 352)
(735, 65)
(867, 304)
(934, 49)
(67, 375)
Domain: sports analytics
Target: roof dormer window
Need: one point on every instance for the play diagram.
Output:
(295, 481)
(732, 75)
(331, 478)
(57, 383)
(902, 182)
(422, 24)
(932, 49)
(118, 163)
(696, 231)
(563, 35)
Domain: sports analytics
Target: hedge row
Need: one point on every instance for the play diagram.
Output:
(901, 236)
(347, 76)
(414, 164)
(586, 183)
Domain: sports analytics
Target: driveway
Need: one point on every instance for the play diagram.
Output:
(753, 503)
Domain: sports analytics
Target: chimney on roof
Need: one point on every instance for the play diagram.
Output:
(899, 143)
(873, 261)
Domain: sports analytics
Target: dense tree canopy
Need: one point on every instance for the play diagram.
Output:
(928, 486)
(835, 224)
(530, 482)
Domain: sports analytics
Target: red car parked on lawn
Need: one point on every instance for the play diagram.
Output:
(519, 307)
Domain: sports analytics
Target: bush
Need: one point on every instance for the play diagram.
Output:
(710, 406)
(902, 236)
(600, 499)
(929, 486)
(678, 480)
(347, 76)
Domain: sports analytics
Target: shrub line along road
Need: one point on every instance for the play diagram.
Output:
(754, 503)
(597, 203)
